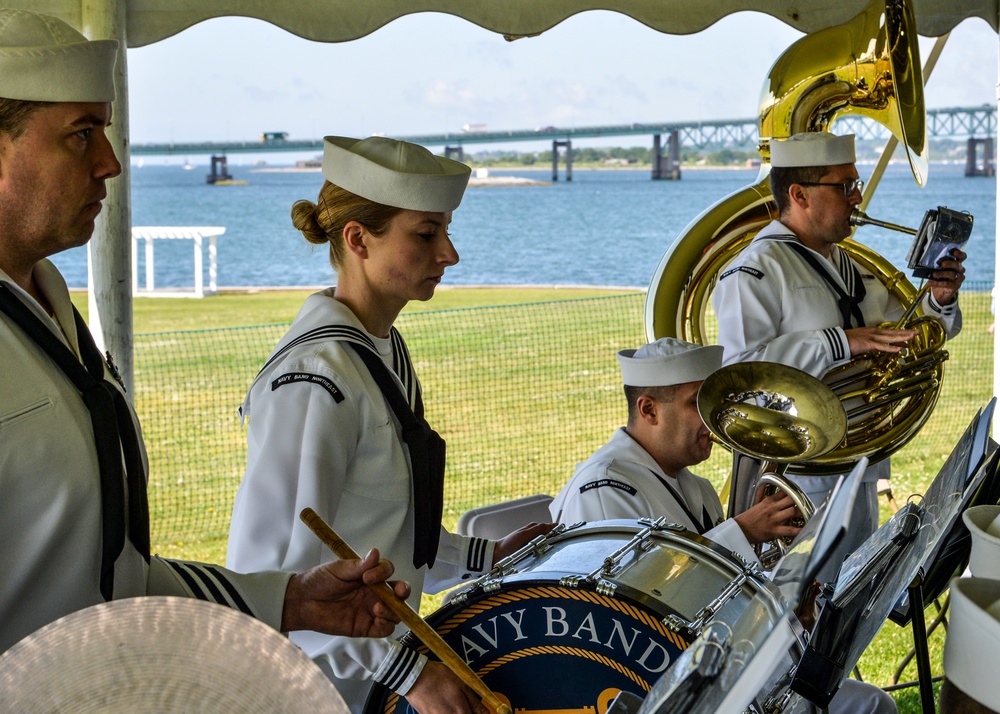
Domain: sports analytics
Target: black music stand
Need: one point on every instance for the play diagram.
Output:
(725, 668)
(873, 578)
(951, 555)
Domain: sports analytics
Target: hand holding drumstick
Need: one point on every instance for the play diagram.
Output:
(410, 618)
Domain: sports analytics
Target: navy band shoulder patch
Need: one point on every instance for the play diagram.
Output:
(630, 490)
(325, 382)
(759, 274)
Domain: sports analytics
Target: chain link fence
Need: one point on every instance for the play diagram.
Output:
(521, 393)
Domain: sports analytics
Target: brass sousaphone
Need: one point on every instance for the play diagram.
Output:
(868, 66)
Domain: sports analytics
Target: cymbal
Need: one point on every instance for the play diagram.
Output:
(772, 411)
(161, 654)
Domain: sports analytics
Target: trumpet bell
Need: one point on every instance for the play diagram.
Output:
(772, 411)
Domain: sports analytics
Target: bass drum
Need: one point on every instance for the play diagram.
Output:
(589, 611)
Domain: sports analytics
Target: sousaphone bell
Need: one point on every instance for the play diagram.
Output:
(770, 415)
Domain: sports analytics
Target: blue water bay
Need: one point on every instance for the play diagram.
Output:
(606, 227)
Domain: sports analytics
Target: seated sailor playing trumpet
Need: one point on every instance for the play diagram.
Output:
(795, 297)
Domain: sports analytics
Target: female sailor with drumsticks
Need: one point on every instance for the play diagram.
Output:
(336, 416)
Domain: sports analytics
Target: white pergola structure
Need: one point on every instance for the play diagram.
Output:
(136, 23)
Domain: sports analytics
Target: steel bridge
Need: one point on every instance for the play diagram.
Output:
(978, 125)
(955, 123)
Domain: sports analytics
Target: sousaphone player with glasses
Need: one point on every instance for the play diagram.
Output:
(793, 296)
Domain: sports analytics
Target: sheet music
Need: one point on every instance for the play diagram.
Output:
(941, 231)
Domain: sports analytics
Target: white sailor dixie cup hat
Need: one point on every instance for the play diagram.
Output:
(972, 645)
(668, 361)
(395, 173)
(43, 59)
(983, 523)
(812, 148)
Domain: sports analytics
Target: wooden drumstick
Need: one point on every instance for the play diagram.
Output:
(406, 614)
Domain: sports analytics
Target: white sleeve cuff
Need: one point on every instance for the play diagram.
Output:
(399, 670)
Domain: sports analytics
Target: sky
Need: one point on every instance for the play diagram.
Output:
(231, 79)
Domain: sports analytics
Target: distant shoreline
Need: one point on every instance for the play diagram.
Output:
(582, 167)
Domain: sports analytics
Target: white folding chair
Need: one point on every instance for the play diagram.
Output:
(498, 519)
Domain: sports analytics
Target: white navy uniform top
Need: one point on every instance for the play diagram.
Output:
(621, 480)
(50, 507)
(321, 435)
(773, 306)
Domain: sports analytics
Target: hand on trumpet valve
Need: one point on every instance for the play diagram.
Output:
(879, 339)
(775, 516)
(948, 278)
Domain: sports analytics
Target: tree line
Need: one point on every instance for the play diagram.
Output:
(940, 150)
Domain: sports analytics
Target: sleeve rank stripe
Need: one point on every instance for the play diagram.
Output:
(234, 594)
(477, 555)
(836, 346)
(214, 593)
(192, 585)
(406, 660)
(207, 589)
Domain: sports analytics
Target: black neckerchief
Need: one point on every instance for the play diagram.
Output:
(705, 524)
(427, 459)
(114, 435)
(849, 305)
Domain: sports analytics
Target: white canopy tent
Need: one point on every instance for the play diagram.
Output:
(136, 23)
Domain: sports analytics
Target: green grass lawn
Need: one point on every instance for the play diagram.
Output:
(270, 307)
(522, 382)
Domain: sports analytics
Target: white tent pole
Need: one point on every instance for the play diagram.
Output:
(109, 263)
(996, 259)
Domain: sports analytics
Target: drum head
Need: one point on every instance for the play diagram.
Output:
(539, 645)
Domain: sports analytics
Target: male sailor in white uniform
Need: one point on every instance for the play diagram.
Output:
(643, 469)
(73, 516)
(643, 472)
(794, 297)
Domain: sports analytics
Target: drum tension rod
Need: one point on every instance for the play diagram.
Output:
(693, 628)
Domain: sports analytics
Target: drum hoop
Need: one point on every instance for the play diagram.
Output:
(728, 559)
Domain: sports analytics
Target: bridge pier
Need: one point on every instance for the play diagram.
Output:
(556, 144)
(972, 165)
(667, 167)
(454, 152)
(220, 170)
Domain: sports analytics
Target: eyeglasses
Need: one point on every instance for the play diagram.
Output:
(848, 187)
